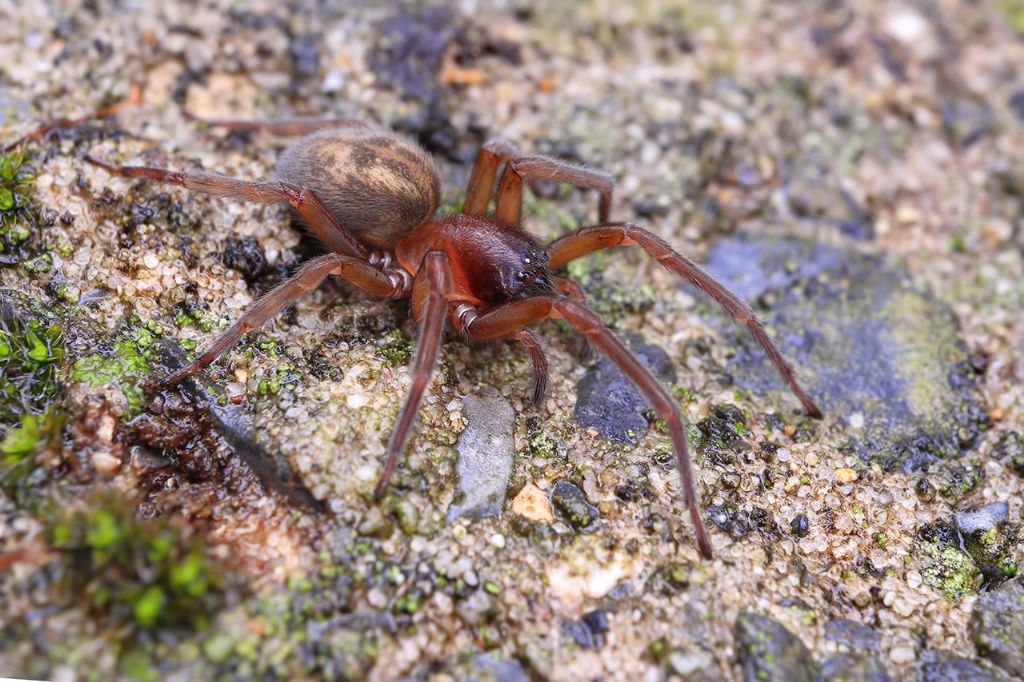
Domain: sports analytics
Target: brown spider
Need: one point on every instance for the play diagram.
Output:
(370, 196)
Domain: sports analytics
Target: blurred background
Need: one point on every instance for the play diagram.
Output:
(854, 169)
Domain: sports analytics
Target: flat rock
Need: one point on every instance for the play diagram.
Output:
(485, 449)
(997, 625)
(870, 348)
(608, 401)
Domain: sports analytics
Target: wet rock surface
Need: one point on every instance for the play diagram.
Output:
(870, 348)
(606, 400)
(997, 626)
(853, 635)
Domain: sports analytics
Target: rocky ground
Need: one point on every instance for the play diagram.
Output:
(856, 170)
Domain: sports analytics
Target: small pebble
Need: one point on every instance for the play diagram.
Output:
(105, 463)
(531, 503)
(845, 475)
(357, 400)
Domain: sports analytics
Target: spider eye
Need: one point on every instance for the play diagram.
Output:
(520, 275)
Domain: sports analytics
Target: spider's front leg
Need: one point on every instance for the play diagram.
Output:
(432, 287)
(591, 239)
(519, 166)
(503, 320)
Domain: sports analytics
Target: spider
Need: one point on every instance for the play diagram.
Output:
(370, 195)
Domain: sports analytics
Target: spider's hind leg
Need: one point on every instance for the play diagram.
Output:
(508, 202)
(291, 127)
(133, 99)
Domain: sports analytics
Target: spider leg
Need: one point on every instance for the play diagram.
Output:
(432, 286)
(531, 341)
(134, 98)
(503, 320)
(509, 198)
(280, 127)
(590, 239)
(485, 171)
(324, 225)
(364, 276)
(508, 201)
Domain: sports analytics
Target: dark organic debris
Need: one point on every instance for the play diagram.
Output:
(246, 256)
(194, 414)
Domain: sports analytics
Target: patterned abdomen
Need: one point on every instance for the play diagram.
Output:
(377, 184)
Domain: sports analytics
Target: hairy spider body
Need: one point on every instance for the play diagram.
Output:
(377, 184)
(369, 196)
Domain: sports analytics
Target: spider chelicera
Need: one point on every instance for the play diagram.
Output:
(370, 196)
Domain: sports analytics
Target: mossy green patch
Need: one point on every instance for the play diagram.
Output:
(949, 570)
(127, 572)
(15, 187)
(125, 365)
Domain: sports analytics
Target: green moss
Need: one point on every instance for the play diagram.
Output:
(30, 351)
(395, 348)
(613, 302)
(17, 213)
(42, 263)
(949, 570)
(131, 573)
(18, 449)
(125, 365)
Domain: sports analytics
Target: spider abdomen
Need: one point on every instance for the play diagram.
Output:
(377, 184)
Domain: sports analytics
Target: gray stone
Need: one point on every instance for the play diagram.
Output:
(499, 670)
(989, 539)
(853, 667)
(486, 447)
(852, 634)
(982, 519)
(769, 652)
(862, 341)
(997, 625)
(608, 401)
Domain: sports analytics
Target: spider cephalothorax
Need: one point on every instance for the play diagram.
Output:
(370, 197)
